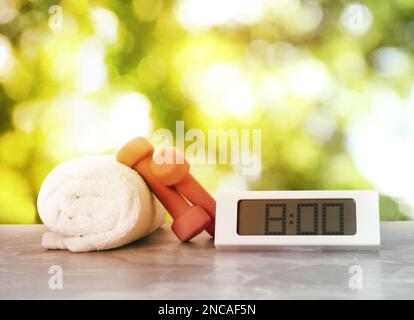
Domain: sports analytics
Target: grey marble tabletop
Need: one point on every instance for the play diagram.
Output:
(160, 267)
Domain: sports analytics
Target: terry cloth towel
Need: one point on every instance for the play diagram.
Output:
(96, 203)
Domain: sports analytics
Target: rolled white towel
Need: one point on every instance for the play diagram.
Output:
(96, 203)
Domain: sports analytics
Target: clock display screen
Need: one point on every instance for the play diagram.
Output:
(323, 217)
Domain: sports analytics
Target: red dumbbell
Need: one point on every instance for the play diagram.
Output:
(189, 220)
(171, 169)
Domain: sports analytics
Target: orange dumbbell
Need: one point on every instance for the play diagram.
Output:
(189, 220)
(171, 169)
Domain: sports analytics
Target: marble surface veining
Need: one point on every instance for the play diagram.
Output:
(160, 267)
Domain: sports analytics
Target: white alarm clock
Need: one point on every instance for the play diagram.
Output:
(280, 220)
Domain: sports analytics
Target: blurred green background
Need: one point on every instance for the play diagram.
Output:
(329, 83)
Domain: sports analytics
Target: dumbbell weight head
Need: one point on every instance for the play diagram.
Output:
(170, 166)
(194, 221)
(134, 151)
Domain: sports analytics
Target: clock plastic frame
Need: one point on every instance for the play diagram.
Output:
(367, 235)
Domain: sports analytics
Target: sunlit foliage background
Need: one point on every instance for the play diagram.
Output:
(330, 84)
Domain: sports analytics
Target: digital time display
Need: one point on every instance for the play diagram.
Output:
(322, 217)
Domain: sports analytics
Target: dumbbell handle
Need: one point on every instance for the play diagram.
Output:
(193, 190)
(190, 188)
(172, 201)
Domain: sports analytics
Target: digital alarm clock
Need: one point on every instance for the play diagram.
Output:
(279, 220)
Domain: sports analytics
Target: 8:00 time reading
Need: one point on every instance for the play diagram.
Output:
(298, 217)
